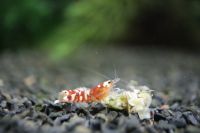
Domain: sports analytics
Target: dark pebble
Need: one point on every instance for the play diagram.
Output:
(3, 104)
(151, 129)
(174, 106)
(159, 116)
(70, 107)
(54, 115)
(45, 108)
(28, 104)
(112, 125)
(76, 122)
(165, 125)
(61, 119)
(95, 108)
(11, 106)
(178, 122)
(84, 113)
(132, 123)
(111, 129)
(2, 113)
(177, 119)
(95, 124)
(190, 118)
(112, 115)
(192, 129)
(52, 106)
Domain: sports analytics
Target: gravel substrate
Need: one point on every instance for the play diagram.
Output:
(29, 84)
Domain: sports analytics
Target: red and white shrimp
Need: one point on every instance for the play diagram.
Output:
(83, 94)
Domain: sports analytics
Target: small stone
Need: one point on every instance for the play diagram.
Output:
(102, 117)
(95, 124)
(178, 122)
(74, 122)
(150, 129)
(190, 118)
(5, 96)
(54, 115)
(165, 125)
(3, 113)
(82, 129)
(55, 129)
(11, 106)
(53, 106)
(28, 104)
(20, 109)
(192, 129)
(177, 119)
(3, 104)
(132, 123)
(108, 129)
(95, 108)
(60, 120)
(70, 107)
(45, 108)
(159, 116)
(112, 115)
(174, 106)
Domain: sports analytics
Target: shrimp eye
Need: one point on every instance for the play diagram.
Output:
(65, 91)
(109, 82)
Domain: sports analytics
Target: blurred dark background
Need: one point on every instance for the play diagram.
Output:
(63, 26)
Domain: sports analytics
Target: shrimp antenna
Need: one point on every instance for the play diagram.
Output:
(116, 75)
(95, 72)
(115, 71)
